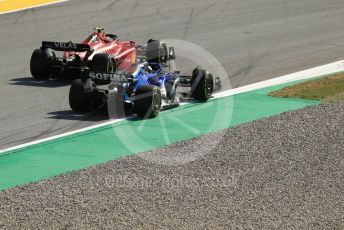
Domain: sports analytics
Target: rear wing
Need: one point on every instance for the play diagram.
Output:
(66, 46)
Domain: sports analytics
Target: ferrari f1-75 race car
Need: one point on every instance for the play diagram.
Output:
(94, 52)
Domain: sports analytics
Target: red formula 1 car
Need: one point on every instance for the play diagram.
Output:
(99, 52)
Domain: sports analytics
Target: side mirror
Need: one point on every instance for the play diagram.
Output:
(112, 36)
(171, 54)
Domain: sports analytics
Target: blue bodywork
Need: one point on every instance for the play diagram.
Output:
(155, 76)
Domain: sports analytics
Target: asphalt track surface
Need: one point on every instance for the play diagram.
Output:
(253, 40)
(282, 172)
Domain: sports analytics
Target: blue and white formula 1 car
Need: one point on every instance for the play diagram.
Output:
(143, 89)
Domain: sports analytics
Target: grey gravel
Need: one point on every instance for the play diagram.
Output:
(283, 172)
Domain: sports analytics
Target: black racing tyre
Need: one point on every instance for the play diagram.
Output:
(147, 102)
(102, 63)
(39, 63)
(79, 97)
(156, 52)
(202, 84)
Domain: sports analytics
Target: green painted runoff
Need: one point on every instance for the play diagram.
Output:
(111, 142)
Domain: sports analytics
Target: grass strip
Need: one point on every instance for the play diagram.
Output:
(330, 88)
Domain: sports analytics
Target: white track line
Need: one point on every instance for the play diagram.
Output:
(306, 74)
(111, 122)
(31, 7)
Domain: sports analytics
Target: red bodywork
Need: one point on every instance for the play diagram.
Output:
(123, 52)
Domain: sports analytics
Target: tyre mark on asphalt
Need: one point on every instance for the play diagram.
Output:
(254, 62)
(47, 132)
(133, 9)
(244, 71)
(158, 12)
(88, 118)
(224, 9)
(107, 8)
(35, 23)
(206, 8)
(193, 15)
(112, 4)
(188, 23)
(31, 138)
(19, 16)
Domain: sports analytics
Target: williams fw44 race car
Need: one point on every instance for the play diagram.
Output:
(144, 89)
